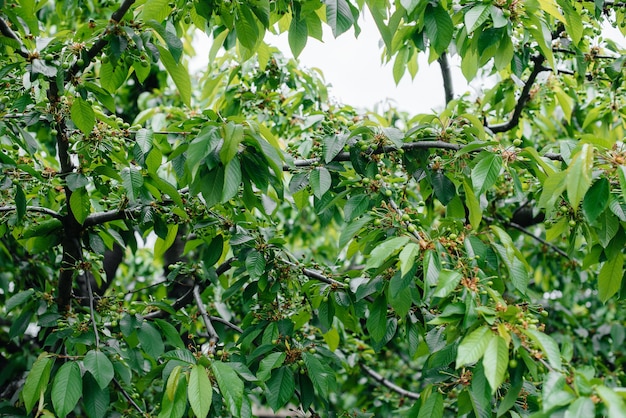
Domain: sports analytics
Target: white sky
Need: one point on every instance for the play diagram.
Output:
(354, 69)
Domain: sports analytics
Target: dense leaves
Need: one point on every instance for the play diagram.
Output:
(209, 244)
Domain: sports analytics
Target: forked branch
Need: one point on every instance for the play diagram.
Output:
(522, 100)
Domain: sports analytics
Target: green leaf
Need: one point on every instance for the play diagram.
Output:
(161, 245)
(246, 28)
(486, 172)
(351, 229)
(399, 64)
(36, 382)
(67, 388)
(170, 333)
(356, 206)
(432, 407)
(80, 204)
(596, 199)
(174, 401)
(298, 35)
(320, 181)
(496, 361)
(579, 175)
(269, 363)
(581, 408)
(18, 299)
(407, 257)
(20, 202)
(132, 181)
(447, 282)
(173, 42)
(231, 386)
(610, 277)
(614, 403)
(322, 376)
(385, 250)
(199, 391)
(95, 399)
(333, 145)
(573, 21)
(438, 26)
(280, 388)
(473, 205)
(444, 188)
(233, 135)
(553, 187)
(150, 339)
(338, 16)
(100, 367)
(476, 16)
(83, 115)
(473, 346)
(548, 346)
(377, 319)
(144, 138)
(157, 10)
(179, 74)
(255, 264)
(232, 179)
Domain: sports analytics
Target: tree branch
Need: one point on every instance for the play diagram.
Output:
(523, 99)
(539, 239)
(388, 383)
(6, 31)
(213, 337)
(99, 45)
(128, 397)
(185, 299)
(37, 209)
(447, 77)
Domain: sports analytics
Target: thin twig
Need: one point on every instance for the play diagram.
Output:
(523, 99)
(313, 274)
(225, 322)
(92, 309)
(388, 383)
(213, 337)
(38, 209)
(128, 397)
(447, 77)
(539, 239)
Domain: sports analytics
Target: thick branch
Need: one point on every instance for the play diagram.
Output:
(388, 383)
(523, 99)
(99, 45)
(37, 209)
(345, 156)
(447, 77)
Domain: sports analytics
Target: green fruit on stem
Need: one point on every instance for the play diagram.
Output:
(517, 142)
(80, 62)
(388, 193)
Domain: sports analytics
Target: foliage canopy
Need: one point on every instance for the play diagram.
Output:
(179, 244)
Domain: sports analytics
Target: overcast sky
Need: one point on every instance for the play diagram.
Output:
(353, 67)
